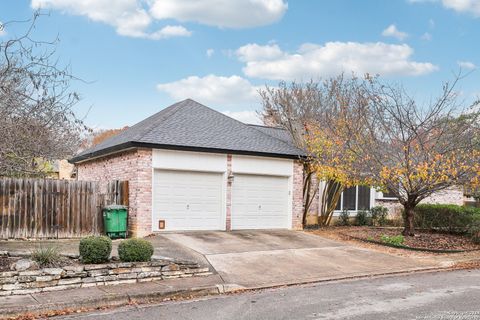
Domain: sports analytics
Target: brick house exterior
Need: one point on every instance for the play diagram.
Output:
(189, 141)
(201, 141)
(136, 167)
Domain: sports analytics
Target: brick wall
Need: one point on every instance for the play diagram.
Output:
(134, 166)
(297, 205)
(453, 195)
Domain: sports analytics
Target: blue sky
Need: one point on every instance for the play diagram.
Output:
(140, 56)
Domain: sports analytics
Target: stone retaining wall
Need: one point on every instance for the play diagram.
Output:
(78, 276)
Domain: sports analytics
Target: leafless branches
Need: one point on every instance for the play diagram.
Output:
(37, 122)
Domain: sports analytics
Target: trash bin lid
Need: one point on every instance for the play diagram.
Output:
(115, 207)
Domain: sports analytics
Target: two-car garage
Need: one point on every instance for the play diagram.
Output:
(248, 192)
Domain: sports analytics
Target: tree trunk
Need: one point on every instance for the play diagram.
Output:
(306, 197)
(310, 189)
(409, 228)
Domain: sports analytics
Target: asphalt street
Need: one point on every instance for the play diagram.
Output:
(441, 295)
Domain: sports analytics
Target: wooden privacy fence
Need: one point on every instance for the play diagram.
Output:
(45, 208)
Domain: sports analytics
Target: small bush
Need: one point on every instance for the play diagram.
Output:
(46, 257)
(362, 218)
(445, 217)
(95, 249)
(344, 218)
(135, 250)
(394, 240)
(474, 230)
(379, 215)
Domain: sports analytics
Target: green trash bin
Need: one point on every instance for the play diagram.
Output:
(115, 221)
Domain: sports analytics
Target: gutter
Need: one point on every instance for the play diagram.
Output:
(133, 145)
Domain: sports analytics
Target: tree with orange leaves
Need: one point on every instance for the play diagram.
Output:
(302, 108)
(385, 139)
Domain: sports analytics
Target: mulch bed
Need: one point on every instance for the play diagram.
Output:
(422, 239)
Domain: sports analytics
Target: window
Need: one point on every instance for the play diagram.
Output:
(331, 188)
(388, 194)
(354, 199)
(363, 198)
(349, 198)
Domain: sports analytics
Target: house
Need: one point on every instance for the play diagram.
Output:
(62, 169)
(190, 167)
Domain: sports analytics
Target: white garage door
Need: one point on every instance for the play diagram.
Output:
(187, 200)
(259, 202)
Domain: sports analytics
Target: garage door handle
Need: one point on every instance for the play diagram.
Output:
(259, 207)
(188, 206)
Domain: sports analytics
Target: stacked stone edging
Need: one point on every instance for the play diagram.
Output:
(81, 276)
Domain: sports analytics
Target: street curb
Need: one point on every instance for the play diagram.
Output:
(117, 300)
(109, 300)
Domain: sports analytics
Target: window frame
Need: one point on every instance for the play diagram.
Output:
(371, 194)
(383, 197)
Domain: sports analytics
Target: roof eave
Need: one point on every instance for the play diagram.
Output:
(131, 145)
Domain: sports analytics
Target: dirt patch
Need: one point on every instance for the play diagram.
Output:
(444, 259)
(6, 262)
(421, 240)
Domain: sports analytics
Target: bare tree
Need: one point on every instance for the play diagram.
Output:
(302, 107)
(37, 122)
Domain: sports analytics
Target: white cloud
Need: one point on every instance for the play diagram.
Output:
(210, 52)
(221, 13)
(253, 51)
(213, 90)
(392, 31)
(463, 6)
(134, 18)
(467, 6)
(312, 60)
(426, 36)
(127, 16)
(169, 32)
(250, 117)
(2, 29)
(466, 65)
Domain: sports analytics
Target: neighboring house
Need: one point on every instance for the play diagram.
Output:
(192, 168)
(62, 169)
(363, 198)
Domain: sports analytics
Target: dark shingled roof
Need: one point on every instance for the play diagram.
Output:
(275, 132)
(189, 125)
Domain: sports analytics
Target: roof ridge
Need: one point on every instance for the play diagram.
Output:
(264, 126)
(283, 142)
(247, 125)
(176, 106)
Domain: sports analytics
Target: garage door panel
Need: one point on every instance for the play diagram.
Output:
(259, 202)
(188, 200)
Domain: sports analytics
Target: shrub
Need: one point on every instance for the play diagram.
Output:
(344, 218)
(474, 230)
(95, 249)
(445, 217)
(46, 257)
(393, 240)
(379, 215)
(362, 218)
(133, 250)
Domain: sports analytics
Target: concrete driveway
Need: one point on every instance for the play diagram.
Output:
(269, 258)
